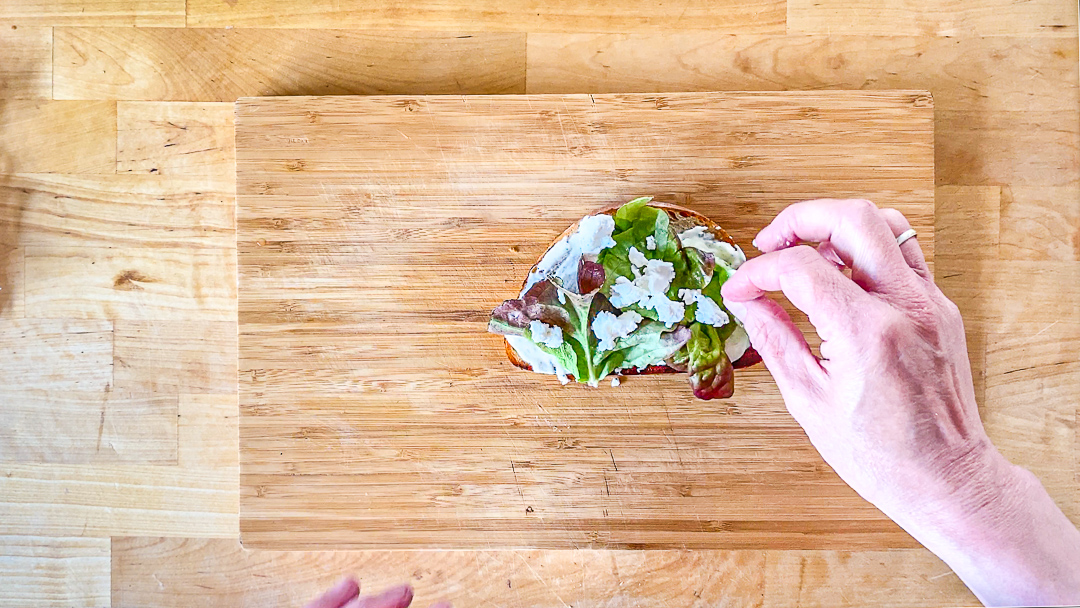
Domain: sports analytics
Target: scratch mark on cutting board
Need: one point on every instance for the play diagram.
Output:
(542, 580)
(100, 429)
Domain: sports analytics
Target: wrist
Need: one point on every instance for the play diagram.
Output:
(970, 496)
(999, 530)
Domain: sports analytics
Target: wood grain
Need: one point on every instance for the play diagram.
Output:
(182, 139)
(518, 579)
(967, 222)
(109, 500)
(145, 13)
(963, 74)
(1012, 147)
(11, 279)
(1033, 392)
(341, 260)
(49, 572)
(172, 572)
(757, 16)
(103, 211)
(55, 355)
(208, 431)
(79, 428)
(933, 18)
(57, 136)
(1021, 295)
(879, 578)
(25, 63)
(222, 65)
(1040, 223)
(132, 283)
(174, 356)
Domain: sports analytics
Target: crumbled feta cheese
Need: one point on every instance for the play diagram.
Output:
(689, 296)
(707, 311)
(657, 276)
(649, 290)
(545, 334)
(607, 327)
(615, 382)
(592, 236)
(624, 293)
(637, 259)
(700, 238)
(650, 243)
(564, 379)
(668, 311)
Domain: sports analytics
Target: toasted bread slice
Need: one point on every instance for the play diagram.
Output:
(681, 219)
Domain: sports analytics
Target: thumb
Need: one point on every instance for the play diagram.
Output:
(781, 345)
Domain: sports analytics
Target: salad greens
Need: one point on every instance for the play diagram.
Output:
(687, 345)
(572, 312)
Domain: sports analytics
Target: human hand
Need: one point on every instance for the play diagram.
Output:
(890, 403)
(346, 594)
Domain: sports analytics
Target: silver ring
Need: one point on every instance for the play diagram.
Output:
(904, 236)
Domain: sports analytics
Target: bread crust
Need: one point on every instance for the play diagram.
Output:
(750, 357)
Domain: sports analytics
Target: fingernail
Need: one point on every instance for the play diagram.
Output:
(754, 243)
(737, 309)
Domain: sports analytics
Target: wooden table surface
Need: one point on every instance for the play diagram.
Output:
(118, 436)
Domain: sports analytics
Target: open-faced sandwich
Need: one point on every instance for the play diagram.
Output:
(631, 290)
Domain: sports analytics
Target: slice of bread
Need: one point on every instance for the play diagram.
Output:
(681, 219)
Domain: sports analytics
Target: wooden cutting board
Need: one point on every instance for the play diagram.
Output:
(375, 235)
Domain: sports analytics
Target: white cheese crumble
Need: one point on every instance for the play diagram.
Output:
(650, 243)
(637, 258)
(607, 327)
(615, 382)
(625, 293)
(688, 296)
(710, 313)
(669, 312)
(707, 311)
(545, 334)
(657, 276)
(700, 238)
(649, 290)
(592, 236)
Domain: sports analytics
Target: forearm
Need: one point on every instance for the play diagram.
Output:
(1007, 540)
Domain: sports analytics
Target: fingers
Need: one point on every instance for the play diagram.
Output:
(336, 597)
(854, 229)
(910, 249)
(397, 597)
(811, 283)
(781, 345)
(828, 252)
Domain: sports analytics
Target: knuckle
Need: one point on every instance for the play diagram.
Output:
(862, 205)
(893, 216)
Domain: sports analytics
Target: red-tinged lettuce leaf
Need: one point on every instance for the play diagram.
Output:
(540, 303)
(711, 373)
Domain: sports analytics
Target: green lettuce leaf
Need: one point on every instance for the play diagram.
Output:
(711, 373)
(574, 313)
(651, 343)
